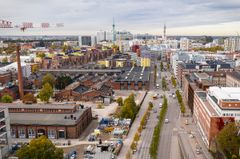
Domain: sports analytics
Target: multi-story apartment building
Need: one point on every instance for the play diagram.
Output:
(185, 44)
(209, 66)
(232, 44)
(200, 82)
(233, 79)
(214, 108)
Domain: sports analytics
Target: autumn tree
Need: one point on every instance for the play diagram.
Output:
(120, 101)
(5, 60)
(48, 78)
(29, 98)
(35, 68)
(46, 92)
(129, 108)
(6, 99)
(229, 140)
(40, 148)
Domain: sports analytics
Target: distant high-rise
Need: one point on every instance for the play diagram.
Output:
(232, 44)
(114, 32)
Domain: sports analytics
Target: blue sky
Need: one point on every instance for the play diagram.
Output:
(182, 17)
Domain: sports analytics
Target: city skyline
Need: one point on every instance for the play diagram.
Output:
(87, 17)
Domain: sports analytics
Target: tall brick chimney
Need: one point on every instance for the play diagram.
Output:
(20, 79)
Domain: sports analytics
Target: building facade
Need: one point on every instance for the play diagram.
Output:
(233, 79)
(5, 137)
(214, 108)
(56, 121)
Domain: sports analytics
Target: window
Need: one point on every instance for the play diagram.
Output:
(13, 133)
(21, 133)
(31, 133)
(51, 134)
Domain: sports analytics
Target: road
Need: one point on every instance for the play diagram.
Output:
(127, 142)
(169, 130)
(147, 133)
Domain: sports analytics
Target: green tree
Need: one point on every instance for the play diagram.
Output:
(164, 84)
(62, 82)
(229, 140)
(46, 92)
(29, 98)
(161, 66)
(155, 73)
(174, 81)
(40, 148)
(120, 101)
(6, 99)
(41, 55)
(49, 78)
(129, 108)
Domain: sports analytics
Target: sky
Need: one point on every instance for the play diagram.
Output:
(86, 17)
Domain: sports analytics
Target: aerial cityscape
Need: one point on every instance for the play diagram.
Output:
(120, 79)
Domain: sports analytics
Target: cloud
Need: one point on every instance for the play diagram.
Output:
(89, 16)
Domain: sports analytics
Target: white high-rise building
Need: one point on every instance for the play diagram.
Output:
(185, 44)
(104, 36)
(232, 44)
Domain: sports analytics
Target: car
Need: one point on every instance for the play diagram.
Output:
(160, 105)
(154, 111)
(166, 121)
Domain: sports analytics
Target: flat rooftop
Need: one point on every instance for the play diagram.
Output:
(208, 107)
(225, 93)
(135, 74)
(46, 119)
(43, 106)
(235, 74)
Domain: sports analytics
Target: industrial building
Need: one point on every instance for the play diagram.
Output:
(134, 78)
(56, 121)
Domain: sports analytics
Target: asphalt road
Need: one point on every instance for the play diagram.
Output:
(169, 130)
(147, 133)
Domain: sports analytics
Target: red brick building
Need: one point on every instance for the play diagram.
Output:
(55, 121)
(214, 108)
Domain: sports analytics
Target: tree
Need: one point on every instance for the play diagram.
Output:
(35, 68)
(164, 84)
(6, 99)
(161, 66)
(229, 140)
(155, 73)
(29, 98)
(120, 101)
(40, 148)
(129, 108)
(48, 78)
(41, 55)
(62, 82)
(5, 60)
(46, 92)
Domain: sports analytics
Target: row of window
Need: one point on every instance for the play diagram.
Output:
(32, 133)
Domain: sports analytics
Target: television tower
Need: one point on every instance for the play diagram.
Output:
(164, 32)
(114, 32)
